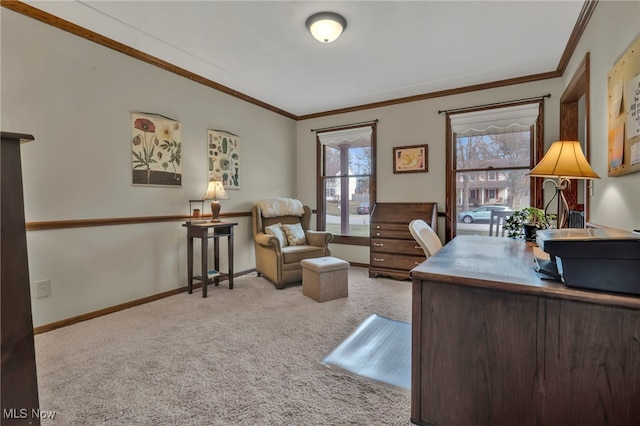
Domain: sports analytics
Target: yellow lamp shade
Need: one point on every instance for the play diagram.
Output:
(564, 159)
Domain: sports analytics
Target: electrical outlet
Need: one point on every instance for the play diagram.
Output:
(43, 288)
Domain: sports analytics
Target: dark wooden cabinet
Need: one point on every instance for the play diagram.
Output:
(393, 251)
(19, 381)
(492, 344)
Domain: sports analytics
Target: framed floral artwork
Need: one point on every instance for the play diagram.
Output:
(224, 158)
(156, 150)
(410, 159)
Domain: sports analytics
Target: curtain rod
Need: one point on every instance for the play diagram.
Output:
(548, 95)
(345, 125)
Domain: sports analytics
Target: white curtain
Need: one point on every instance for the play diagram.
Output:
(360, 136)
(479, 121)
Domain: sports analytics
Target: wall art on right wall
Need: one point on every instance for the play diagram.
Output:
(624, 113)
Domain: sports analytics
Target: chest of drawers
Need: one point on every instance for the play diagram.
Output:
(393, 251)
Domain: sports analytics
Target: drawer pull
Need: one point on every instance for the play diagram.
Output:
(377, 226)
(379, 244)
(377, 234)
(378, 259)
(418, 247)
(417, 263)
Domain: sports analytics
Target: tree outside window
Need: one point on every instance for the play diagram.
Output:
(492, 150)
(346, 181)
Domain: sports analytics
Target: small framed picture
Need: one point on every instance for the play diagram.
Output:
(410, 159)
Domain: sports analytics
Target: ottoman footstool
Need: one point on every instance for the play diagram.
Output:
(325, 278)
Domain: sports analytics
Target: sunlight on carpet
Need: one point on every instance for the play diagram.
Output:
(379, 349)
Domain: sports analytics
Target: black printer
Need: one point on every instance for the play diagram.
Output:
(604, 259)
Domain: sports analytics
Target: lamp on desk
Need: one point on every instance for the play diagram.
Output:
(215, 192)
(563, 161)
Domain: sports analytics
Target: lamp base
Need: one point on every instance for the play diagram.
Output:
(215, 211)
(563, 206)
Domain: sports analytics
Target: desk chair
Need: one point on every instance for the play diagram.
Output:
(576, 219)
(425, 236)
(497, 218)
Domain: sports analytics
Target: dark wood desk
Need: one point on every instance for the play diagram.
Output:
(492, 344)
(206, 231)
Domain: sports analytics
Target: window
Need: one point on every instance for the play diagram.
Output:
(491, 152)
(346, 182)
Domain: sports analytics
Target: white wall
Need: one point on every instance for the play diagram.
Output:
(76, 97)
(611, 30)
(616, 201)
(411, 124)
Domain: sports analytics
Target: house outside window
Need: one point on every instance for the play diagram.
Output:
(346, 182)
(492, 150)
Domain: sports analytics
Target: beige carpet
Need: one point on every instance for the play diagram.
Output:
(247, 356)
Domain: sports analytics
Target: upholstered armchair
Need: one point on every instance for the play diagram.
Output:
(282, 238)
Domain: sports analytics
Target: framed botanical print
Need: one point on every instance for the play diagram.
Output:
(224, 158)
(410, 159)
(156, 150)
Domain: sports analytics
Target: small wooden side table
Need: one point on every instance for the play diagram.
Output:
(206, 231)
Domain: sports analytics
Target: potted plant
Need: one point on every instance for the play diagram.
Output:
(525, 222)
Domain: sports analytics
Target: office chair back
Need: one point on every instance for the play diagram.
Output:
(425, 236)
(576, 219)
(497, 219)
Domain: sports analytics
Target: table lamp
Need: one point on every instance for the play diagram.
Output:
(215, 192)
(564, 160)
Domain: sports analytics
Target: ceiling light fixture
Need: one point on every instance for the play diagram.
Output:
(326, 26)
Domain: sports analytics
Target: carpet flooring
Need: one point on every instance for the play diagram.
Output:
(247, 356)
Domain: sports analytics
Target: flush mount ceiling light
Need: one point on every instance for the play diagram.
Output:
(326, 26)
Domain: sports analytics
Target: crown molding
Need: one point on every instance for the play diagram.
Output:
(34, 13)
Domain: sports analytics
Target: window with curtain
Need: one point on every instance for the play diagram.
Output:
(346, 182)
(491, 151)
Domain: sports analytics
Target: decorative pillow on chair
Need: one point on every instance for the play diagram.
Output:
(277, 231)
(295, 234)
